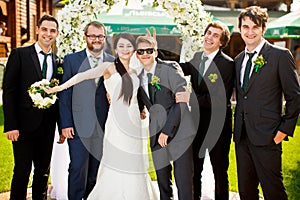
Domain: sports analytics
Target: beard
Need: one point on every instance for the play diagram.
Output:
(95, 47)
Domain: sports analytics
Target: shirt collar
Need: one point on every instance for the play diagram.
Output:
(89, 55)
(152, 70)
(38, 49)
(211, 55)
(257, 49)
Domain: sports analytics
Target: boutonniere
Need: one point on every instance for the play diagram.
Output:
(155, 82)
(60, 70)
(213, 77)
(259, 62)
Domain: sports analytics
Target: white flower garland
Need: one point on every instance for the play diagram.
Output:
(72, 20)
(191, 19)
(189, 15)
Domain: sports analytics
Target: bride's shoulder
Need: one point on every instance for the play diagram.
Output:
(132, 71)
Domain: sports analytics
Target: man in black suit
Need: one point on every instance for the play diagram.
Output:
(170, 136)
(212, 78)
(30, 129)
(264, 73)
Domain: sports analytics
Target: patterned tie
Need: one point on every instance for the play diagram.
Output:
(149, 75)
(201, 69)
(247, 71)
(95, 64)
(44, 69)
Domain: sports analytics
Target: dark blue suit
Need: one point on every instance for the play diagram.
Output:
(83, 107)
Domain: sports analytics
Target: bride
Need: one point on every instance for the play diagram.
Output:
(123, 172)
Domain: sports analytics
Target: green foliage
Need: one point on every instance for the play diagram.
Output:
(6, 158)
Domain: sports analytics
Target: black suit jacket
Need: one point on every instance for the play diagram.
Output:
(213, 97)
(260, 107)
(22, 70)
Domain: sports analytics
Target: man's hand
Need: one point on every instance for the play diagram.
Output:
(149, 34)
(143, 114)
(108, 98)
(163, 139)
(68, 132)
(13, 135)
(279, 137)
(61, 139)
(183, 97)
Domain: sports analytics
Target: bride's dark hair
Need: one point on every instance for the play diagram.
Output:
(127, 85)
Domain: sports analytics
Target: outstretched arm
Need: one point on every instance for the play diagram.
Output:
(86, 75)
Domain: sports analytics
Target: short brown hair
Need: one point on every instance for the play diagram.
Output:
(147, 39)
(95, 24)
(257, 14)
(47, 18)
(225, 37)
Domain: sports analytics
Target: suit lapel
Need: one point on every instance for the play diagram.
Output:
(143, 93)
(254, 74)
(238, 71)
(36, 62)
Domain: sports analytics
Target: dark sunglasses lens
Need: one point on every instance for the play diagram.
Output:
(149, 51)
(140, 51)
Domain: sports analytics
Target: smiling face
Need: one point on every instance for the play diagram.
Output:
(47, 33)
(212, 40)
(147, 58)
(251, 33)
(124, 49)
(95, 45)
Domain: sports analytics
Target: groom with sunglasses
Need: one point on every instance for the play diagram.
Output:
(170, 134)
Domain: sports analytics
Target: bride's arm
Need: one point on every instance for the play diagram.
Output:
(86, 75)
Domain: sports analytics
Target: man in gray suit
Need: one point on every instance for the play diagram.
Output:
(83, 109)
(264, 73)
(171, 135)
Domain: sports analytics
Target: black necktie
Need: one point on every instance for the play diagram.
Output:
(44, 69)
(201, 69)
(247, 71)
(149, 75)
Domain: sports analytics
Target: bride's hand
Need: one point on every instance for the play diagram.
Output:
(53, 89)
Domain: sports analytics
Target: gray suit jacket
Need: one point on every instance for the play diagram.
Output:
(84, 105)
(260, 107)
(165, 114)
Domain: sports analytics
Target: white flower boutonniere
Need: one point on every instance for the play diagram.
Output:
(155, 82)
(213, 77)
(39, 97)
(259, 62)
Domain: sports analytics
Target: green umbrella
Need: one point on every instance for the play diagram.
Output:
(287, 26)
(136, 21)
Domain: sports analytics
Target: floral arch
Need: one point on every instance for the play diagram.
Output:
(189, 15)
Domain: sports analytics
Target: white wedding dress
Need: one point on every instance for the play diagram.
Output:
(123, 172)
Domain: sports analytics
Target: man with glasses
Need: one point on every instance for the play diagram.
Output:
(170, 136)
(83, 110)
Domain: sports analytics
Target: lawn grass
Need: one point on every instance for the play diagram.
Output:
(290, 159)
(6, 158)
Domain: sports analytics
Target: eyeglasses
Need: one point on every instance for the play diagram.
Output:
(148, 51)
(94, 37)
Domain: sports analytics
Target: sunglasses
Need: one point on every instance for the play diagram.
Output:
(148, 51)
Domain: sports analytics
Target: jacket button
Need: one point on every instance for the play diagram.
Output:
(245, 97)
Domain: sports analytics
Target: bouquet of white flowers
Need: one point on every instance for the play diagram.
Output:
(39, 97)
